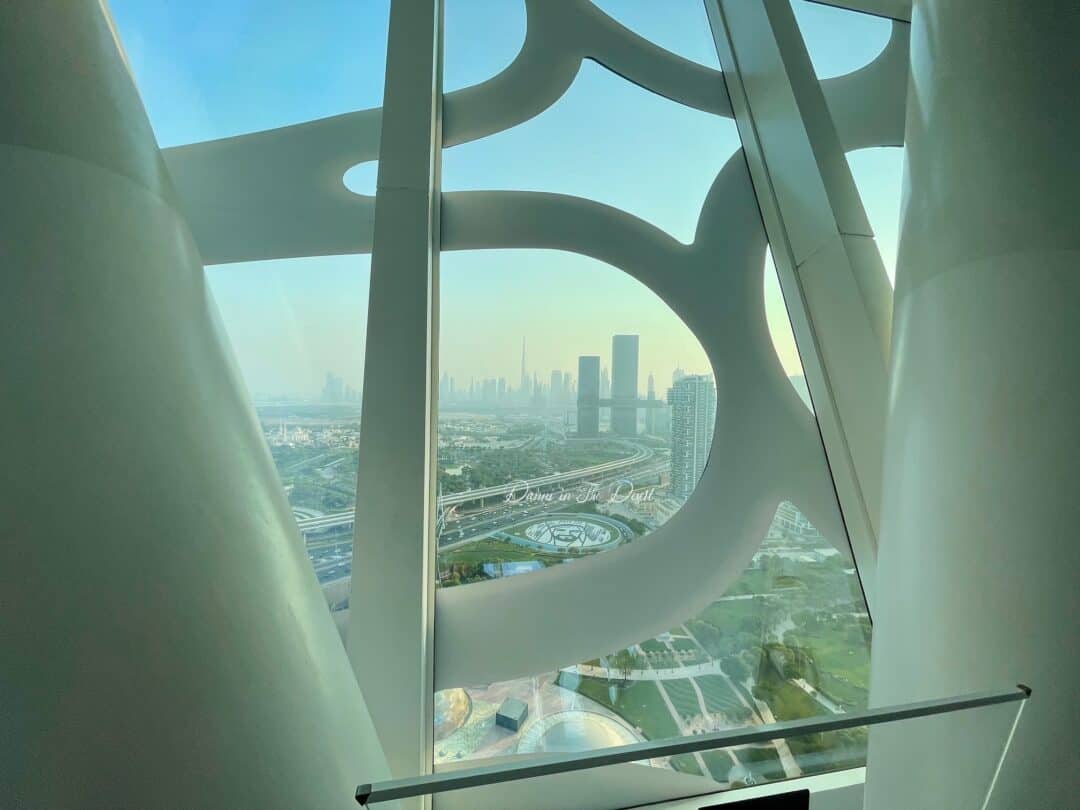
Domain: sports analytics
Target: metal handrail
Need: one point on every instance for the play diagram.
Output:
(491, 774)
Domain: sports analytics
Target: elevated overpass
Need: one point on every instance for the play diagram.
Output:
(346, 516)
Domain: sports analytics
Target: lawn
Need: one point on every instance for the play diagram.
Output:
(718, 763)
(720, 698)
(833, 750)
(640, 704)
(654, 646)
(787, 701)
(684, 644)
(491, 550)
(685, 763)
(683, 697)
(763, 761)
(841, 657)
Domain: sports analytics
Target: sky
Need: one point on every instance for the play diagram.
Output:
(214, 68)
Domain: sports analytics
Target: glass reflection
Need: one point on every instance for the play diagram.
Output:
(297, 330)
(789, 639)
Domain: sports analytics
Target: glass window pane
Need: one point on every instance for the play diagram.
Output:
(210, 70)
(532, 472)
(297, 330)
(878, 176)
(789, 639)
(536, 346)
(840, 41)
(213, 68)
(783, 338)
(464, 64)
(610, 141)
(680, 26)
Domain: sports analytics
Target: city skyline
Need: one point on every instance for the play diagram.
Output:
(292, 321)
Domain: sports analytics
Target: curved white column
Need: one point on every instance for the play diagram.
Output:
(977, 583)
(165, 643)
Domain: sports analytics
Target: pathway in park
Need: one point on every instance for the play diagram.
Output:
(787, 759)
(828, 703)
(711, 667)
(650, 674)
(684, 731)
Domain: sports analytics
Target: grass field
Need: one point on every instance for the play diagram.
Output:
(684, 644)
(742, 690)
(653, 646)
(718, 763)
(491, 550)
(787, 701)
(683, 697)
(685, 763)
(640, 704)
(843, 691)
(832, 750)
(692, 657)
(763, 761)
(720, 698)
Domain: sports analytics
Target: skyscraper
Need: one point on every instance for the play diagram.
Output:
(693, 413)
(624, 392)
(555, 393)
(525, 388)
(334, 388)
(650, 413)
(588, 402)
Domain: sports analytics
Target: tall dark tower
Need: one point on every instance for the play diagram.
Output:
(624, 390)
(588, 397)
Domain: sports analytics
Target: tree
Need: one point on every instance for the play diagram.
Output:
(624, 662)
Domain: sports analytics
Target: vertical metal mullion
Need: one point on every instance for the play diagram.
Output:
(390, 635)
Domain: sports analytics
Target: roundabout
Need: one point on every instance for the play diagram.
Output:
(568, 533)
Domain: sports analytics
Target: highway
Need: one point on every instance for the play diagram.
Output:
(331, 556)
(346, 516)
(474, 526)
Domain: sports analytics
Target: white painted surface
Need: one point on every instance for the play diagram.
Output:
(979, 559)
(165, 643)
(391, 599)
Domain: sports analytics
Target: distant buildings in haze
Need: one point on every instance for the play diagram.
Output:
(335, 389)
(532, 390)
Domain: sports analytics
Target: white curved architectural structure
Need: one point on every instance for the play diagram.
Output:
(165, 643)
(978, 567)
